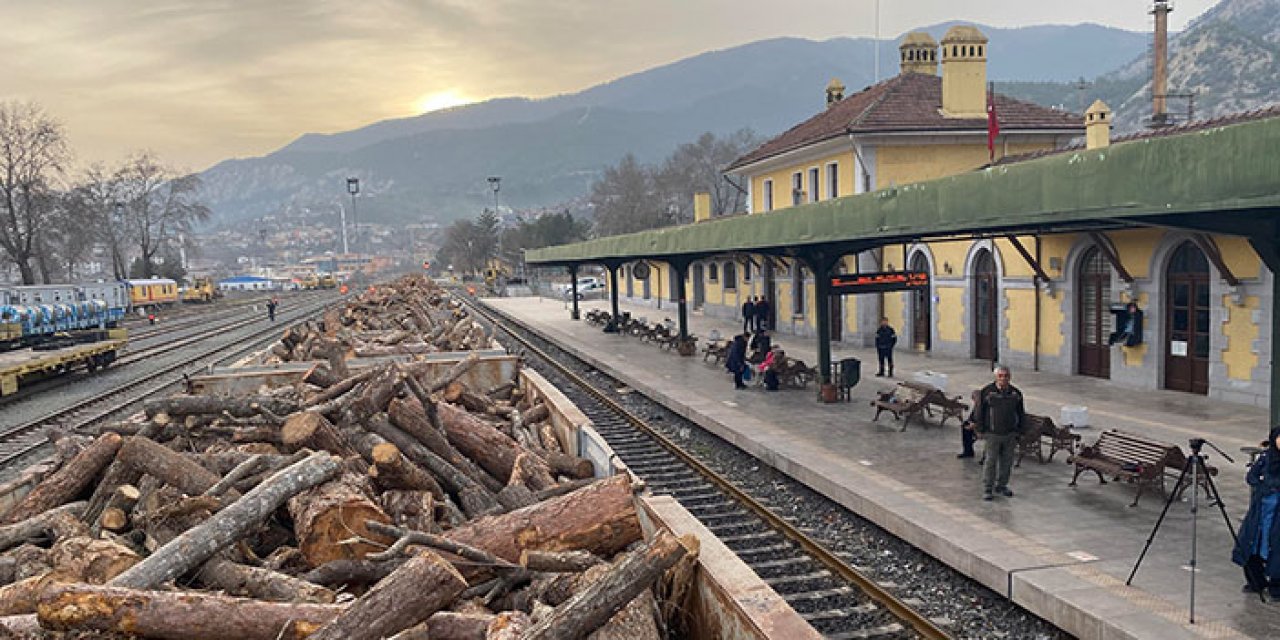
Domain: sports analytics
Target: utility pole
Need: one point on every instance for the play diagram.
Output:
(353, 187)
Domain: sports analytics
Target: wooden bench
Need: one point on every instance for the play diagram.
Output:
(1041, 430)
(795, 373)
(902, 401)
(934, 398)
(1126, 456)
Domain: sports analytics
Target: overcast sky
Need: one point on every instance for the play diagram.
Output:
(197, 81)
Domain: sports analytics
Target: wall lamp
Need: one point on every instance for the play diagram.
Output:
(946, 266)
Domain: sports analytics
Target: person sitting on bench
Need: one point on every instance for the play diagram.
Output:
(760, 346)
(773, 363)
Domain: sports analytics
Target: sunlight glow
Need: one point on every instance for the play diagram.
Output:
(440, 100)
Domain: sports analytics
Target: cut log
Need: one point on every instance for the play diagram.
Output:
(508, 625)
(558, 561)
(82, 559)
(352, 572)
(493, 450)
(410, 509)
(536, 413)
(260, 583)
(168, 465)
(315, 432)
(337, 390)
(320, 376)
(456, 371)
(177, 615)
(21, 597)
(198, 544)
(410, 415)
(20, 626)
(238, 406)
(600, 518)
(592, 607)
(392, 471)
(636, 621)
(475, 499)
(12, 535)
(451, 625)
(566, 465)
(64, 485)
(116, 516)
(327, 517)
(419, 588)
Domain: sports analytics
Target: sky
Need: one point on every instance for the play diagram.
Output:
(199, 81)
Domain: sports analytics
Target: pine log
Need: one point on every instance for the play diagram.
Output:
(12, 535)
(337, 573)
(198, 544)
(536, 413)
(21, 626)
(374, 397)
(636, 621)
(592, 607)
(339, 389)
(260, 583)
(419, 588)
(180, 615)
(558, 561)
(508, 625)
(168, 465)
(238, 406)
(336, 353)
(327, 517)
(253, 465)
(320, 376)
(451, 625)
(488, 447)
(116, 516)
(392, 471)
(475, 499)
(600, 518)
(315, 432)
(410, 509)
(83, 559)
(22, 596)
(64, 485)
(410, 415)
(456, 371)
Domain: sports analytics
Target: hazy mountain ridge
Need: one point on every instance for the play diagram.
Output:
(549, 150)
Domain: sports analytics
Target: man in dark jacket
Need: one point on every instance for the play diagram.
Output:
(764, 313)
(886, 338)
(1000, 417)
(748, 315)
(736, 360)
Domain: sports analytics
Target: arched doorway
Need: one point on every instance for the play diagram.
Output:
(1093, 316)
(1186, 356)
(699, 286)
(921, 309)
(986, 309)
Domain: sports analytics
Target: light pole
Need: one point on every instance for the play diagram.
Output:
(353, 188)
(495, 183)
(117, 267)
(342, 215)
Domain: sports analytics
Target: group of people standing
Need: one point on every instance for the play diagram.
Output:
(757, 314)
(757, 354)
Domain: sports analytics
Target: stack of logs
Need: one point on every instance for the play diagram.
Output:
(385, 503)
(412, 315)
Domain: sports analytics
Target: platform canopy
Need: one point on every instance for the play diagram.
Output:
(1223, 179)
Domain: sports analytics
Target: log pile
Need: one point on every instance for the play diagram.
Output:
(436, 510)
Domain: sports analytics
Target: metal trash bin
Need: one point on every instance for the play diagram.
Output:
(848, 376)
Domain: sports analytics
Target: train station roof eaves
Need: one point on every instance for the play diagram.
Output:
(1229, 171)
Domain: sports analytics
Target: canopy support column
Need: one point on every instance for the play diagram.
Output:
(573, 290)
(613, 267)
(820, 263)
(681, 268)
(1268, 249)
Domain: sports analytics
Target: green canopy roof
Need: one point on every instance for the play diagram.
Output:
(1223, 178)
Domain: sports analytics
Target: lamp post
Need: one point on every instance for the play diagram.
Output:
(342, 215)
(495, 183)
(115, 243)
(353, 188)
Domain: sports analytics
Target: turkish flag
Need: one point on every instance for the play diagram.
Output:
(993, 124)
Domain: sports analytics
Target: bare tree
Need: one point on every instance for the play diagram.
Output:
(159, 206)
(625, 200)
(91, 214)
(33, 152)
(698, 167)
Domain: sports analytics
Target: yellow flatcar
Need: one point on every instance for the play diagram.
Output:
(152, 292)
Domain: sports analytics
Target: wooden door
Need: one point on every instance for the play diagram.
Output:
(1093, 315)
(985, 308)
(699, 286)
(1186, 359)
(921, 309)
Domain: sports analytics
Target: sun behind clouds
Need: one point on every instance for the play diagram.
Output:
(440, 100)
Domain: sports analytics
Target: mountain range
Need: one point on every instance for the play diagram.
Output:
(548, 151)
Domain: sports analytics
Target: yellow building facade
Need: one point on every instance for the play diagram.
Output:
(1205, 299)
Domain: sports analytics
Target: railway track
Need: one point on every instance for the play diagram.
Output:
(19, 440)
(834, 597)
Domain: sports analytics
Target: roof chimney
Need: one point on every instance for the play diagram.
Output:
(835, 92)
(918, 53)
(1097, 125)
(964, 73)
(1160, 64)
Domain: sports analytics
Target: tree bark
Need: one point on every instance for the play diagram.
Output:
(238, 406)
(315, 432)
(392, 471)
(508, 625)
(558, 561)
(320, 376)
(488, 447)
(167, 465)
(116, 516)
(411, 416)
(592, 607)
(475, 499)
(200, 543)
(419, 588)
(352, 572)
(64, 485)
(410, 509)
(183, 615)
(12, 535)
(536, 413)
(327, 517)
(83, 559)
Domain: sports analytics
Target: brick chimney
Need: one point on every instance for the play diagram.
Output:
(919, 54)
(1097, 125)
(1160, 64)
(835, 92)
(964, 73)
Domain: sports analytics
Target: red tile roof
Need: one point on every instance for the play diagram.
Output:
(1263, 113)
(907, 103)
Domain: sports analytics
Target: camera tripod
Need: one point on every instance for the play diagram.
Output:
(1194, 467)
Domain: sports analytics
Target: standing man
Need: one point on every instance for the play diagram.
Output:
(271, 308)
(764, 313)
(886, 338)
(748, 315)
(999, 416)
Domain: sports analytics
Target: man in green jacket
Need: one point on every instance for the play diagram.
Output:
(1000, 417)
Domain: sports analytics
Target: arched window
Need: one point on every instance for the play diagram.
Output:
(713, 272)
(730, 276)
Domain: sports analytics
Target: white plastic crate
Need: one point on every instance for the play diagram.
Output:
(933, 378)
(1075, 415)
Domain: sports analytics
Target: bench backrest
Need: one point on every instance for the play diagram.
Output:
(921, 387)
(1119, 446)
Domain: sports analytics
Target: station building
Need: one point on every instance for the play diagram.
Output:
(1040, 301)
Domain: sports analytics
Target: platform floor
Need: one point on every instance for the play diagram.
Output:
(1062, 553)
